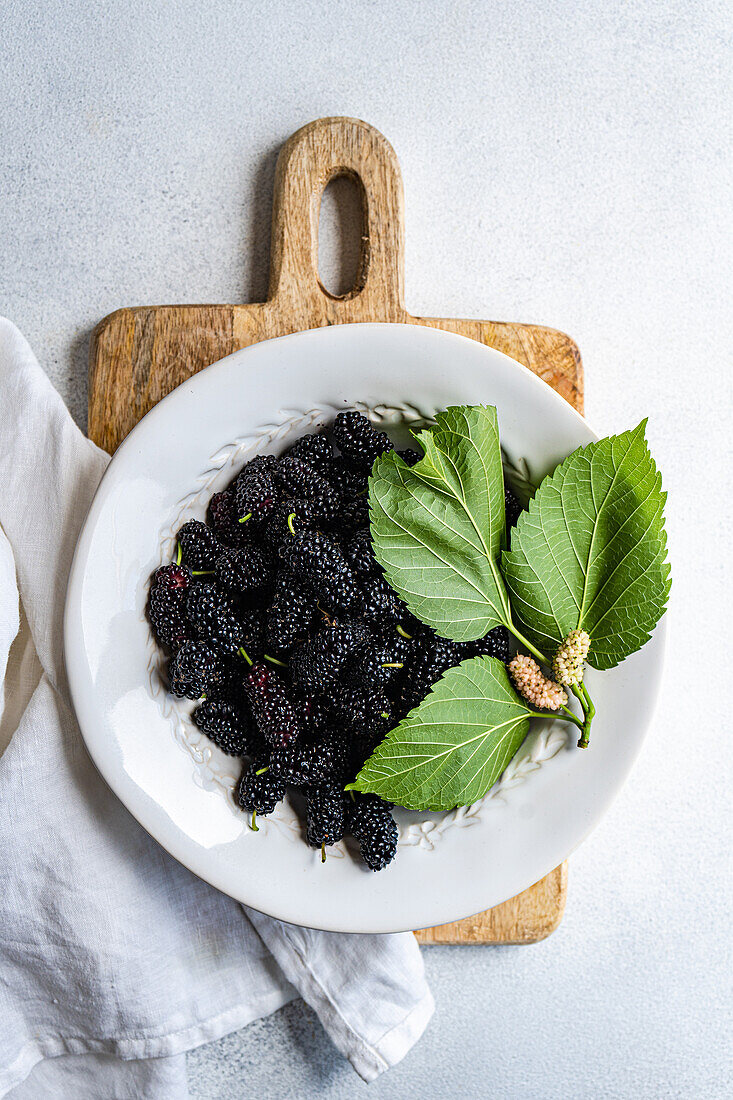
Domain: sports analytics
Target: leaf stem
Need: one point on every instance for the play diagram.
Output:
(572, 717)
(566, 716)
(521, 638)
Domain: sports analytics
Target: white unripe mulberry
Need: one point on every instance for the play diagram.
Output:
(533, 685)
(567, 665)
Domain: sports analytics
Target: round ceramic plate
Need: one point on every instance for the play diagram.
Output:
(167, 773)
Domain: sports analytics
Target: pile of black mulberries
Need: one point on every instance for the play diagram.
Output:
(281, 624)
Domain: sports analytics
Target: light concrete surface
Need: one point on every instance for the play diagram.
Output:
(565, 163)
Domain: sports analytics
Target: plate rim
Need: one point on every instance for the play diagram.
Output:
(72, 632)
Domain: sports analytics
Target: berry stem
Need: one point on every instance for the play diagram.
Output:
(253, 823)
(403, 633)
(575, 688)
(323, 852)
(393, 664)
(274, 661)
(586, 696)
(179, 554)
(243, 653)
(245, 518)
(261, 771)
(384, 714)
(291, 528)
(202, 572)
(581, 693)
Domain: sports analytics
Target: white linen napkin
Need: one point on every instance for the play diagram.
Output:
(109, 949)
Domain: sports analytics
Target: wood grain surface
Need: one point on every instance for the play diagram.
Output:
(140, 354)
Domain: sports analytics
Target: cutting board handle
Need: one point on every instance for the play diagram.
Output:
(309, 160)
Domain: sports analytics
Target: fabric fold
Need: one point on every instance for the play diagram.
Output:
(109, 948)
(374, 1034)
(49, 473)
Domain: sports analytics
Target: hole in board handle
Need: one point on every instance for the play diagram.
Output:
(341, 236)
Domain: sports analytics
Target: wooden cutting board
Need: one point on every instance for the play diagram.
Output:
(139, 355)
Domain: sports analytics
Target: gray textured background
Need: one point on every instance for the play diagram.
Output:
(565, 163)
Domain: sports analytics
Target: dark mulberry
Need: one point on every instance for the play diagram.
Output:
(358, 440)
(370, 822)
(200, 597)
(314, 713)
(301, 482)
(228, 686)
(375, 664)
(272, 706)
(382, 604)
(316, 663)
(199, 545)
(362, 746)
(315, 451)
(259, 791)
(400, 644)
(352, 516)
(325, 761)
(252, 637)
(223, 725)
(166, 614)
(223, 520)
(359, 551)
(213, 618)
(429, 664)
(172, 578)
(320, 562)
(255, 490)
(324, 815)
(350, 481)
(244, 570)
(290, 615)
(364, 707)
(289, 517)
(364, 714)
(194, 667)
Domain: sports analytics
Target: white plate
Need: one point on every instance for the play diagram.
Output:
(177, 784)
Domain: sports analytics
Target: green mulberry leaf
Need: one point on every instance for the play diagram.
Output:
(590, 551)
(438, 526)
(453, 747)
